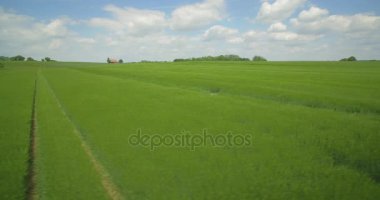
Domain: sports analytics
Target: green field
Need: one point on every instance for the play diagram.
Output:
(300, 130)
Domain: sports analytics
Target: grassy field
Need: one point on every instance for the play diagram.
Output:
(213, 130)
(16, 95)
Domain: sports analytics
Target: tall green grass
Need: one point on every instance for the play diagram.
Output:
(315, 127)
(327, 85)
(64, 170)
(16, 95)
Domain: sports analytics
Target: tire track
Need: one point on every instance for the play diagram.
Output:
(31, 193)
(109, 186)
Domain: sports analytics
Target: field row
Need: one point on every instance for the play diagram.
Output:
(345, 91)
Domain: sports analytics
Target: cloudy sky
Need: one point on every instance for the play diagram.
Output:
(134, 30)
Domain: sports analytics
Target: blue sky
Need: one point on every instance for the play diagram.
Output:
(134, 30)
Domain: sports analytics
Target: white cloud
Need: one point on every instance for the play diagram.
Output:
(25, 35)
(253, 35)
(277, 27)
(199, 15)
(278, 11)
(291, 36)
(312, 14)
(142, 22)
(279, 31)
(58, 27)
(84, 40)
(106, 23)
(365, 22)
(18, 27)
(235, 40)
(131, 20)
(224, 34)
(316, 20)
(55, 44)
(331, 23)
(9, 18)
(218, 32)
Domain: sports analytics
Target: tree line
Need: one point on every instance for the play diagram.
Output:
(220, 58)
(22, 58)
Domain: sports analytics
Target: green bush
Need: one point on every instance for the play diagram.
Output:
(259, 58)
(17, 58)
(351, 58)
(30, 59)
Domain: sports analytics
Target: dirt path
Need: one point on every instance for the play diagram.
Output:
(31, 173)
(109, 186)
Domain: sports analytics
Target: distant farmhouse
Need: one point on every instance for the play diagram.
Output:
(112, 60)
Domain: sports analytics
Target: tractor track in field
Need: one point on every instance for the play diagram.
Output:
(110, 187)
(31, 193)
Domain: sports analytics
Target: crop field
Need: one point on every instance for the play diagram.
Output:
(190, 130)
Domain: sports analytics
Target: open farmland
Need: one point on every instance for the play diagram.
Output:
(311, 130)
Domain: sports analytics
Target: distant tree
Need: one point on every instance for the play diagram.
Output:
(4, 58)
(351, 58)
(214, 58)
(47, 59)
(30, 59)
(179, 60)
(121, 61)
(259, 58)
(17, 58)
(42, 60)
(108, 60)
